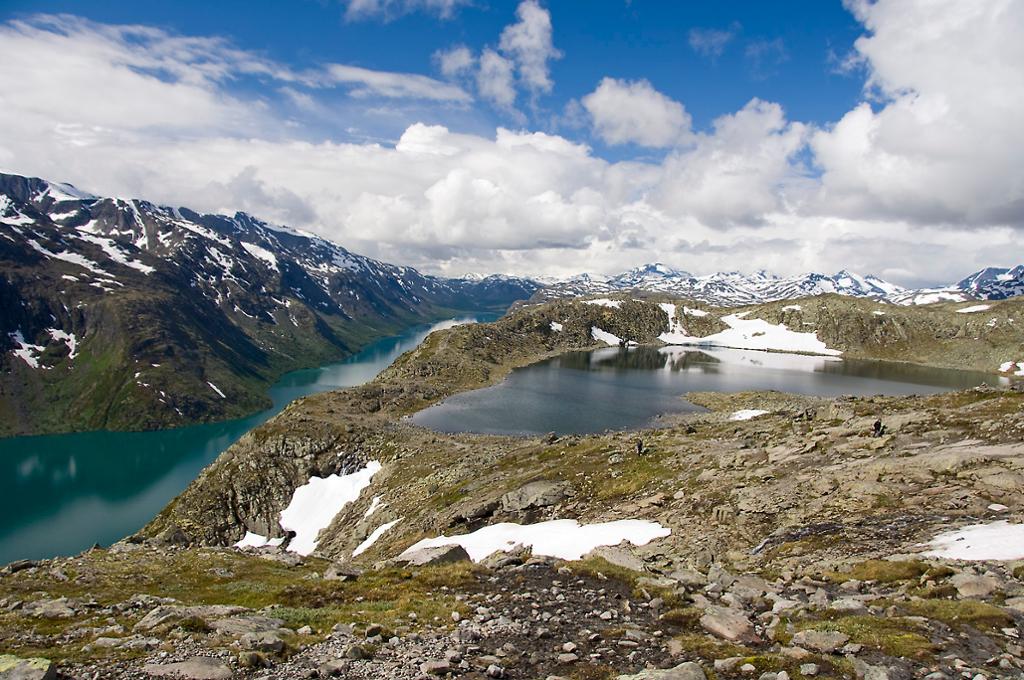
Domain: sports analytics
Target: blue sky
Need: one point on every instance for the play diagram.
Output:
(790, 56)
(546, 138)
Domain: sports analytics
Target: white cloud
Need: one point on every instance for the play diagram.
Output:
(710, 42)
(136, 111)
(495, 81)
(624, 111)
(528, 42)
(455, 62)
(390, 9)
(393, 85)
(945, 144)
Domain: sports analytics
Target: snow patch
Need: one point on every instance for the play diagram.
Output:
(555, 326)
(756, 334)
(262, 254)
(374, 504)
(251, 540)
(372, 538)
(216, 389)
(747, 414)
(605, 336)
(68, 339)
(315, 504)
(795, 308)
(993, 541)
(1015, 367)
(565, 539)
(973, 308)
(26, 351)
(604, 302)
(693, 311)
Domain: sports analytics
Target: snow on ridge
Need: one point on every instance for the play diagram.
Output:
(68, 339)
(565, 539)
(316, 503)
(115, 253)
(261, 254)
(372, 538)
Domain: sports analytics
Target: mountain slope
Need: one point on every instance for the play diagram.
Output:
(123, 314)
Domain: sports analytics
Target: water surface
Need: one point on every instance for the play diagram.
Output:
(60, 494)
(614, 388)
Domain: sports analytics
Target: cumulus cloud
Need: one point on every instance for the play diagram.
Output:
(495, 81)
(633, 111)
(711, 42)
(945, 143)
(356, 10)
(529, 43)
(135, 111)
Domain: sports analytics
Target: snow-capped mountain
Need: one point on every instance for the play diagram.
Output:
(734, 288)
(170, 301)
(722, 288)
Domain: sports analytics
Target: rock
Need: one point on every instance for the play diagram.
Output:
(809, 669)
(198, 668)
(357, 653)
(690, 670)
(342, 572)
(535, 495)
(252, 659)
(262, 642)
(689, 578)
(865, 671)
(824, 641)
(445, 554)
(620, 557)
(15, 668)
(50, 609)
(435, 667)
(1015, 603)
(972, 586)
(240, 625)
(171, 614)
(729, 624)
(20, 565)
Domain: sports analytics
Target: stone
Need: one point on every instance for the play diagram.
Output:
(262, 642)
(539, 494)
(865, 671)
(729, 624)
(240, 625)
(691, 670)
(198, 668)
(357, 653)
(972, 586)
(15, 668)
(689, 578)
(435, 667)
(567, 658)
(445, 554)
(809, 669)
(620, 557)
(342, 572)
(824, 641)
(50, 609)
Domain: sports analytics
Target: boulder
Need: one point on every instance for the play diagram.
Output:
(445, 554)
(240, 625)
(824, 641)
(535, 495)
(619, 556)
(690, 670)
(198, 668)
(50, 609)
(15, 668)
(342, 572)
(970, 585)
(729, 624)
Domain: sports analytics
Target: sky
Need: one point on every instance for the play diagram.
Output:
(546, 137)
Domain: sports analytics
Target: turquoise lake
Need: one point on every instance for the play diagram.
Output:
(60, 494)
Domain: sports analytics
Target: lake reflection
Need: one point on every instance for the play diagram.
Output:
(615, 388)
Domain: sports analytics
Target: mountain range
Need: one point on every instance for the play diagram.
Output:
(119, 313)
(728, 289)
